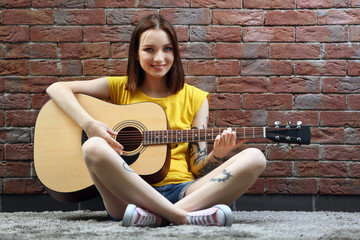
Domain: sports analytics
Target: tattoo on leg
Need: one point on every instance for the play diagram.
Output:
(127, 168)
(226, 176)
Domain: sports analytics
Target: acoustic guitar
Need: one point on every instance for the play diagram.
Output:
(142, 130)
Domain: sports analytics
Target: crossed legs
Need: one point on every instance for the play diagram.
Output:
(119, 185)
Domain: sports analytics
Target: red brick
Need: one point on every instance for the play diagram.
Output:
(105, 67)
(282, 152)
(225, 101)
(206, 83)
(354, 68)
(268, 34)
(295, 84)
(125, 16)
(339, 16)
(183, 16)
(215, 34)
(14, 136)
(28, 84)
(14, 67)
(320, 68)
(107, 34)
(339, 186)
(55, 67)
(164, 3)
(267, 101)
(119, 50)
(307, 117)
(282, 4)
(341, 85)
(15, 4)
(342, 51)
(20, 118)
(258, 187)
(14, 169)
(14, 34)
(341, 152)
(278, 169)
(110, 4)
(291, 186)
(266, 67)
(238, 17)
(216, 4)
(241, 118)
(241, 50)
(340, 119)
(354, 102)
(56, 34)
(242, 84)
(182, 33)
(22, 186)
(354, 170)
(327, 135)
(2, 122)
(34, 50)
(320, 169)
(1, 156)
(352, 135)
(27, 16)
(223, 67)
(79, 16)
(322, 34)
(354, 33)
(295, 51)
(38, 100)
(355, 3)
(18, 152)
(84, 50)
(2, 51)
(15, 101)
(322, 3)
(59, 3)
(290, 17)
(197, 50)
(320, 101)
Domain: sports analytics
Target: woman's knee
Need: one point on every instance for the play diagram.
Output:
(257, 158)
(92, 149)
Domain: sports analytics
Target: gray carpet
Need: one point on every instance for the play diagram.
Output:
(247, 225)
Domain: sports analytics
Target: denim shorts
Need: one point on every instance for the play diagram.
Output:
(174, 192)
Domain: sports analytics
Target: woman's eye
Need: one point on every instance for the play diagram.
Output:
(148, 49)
(168, 49)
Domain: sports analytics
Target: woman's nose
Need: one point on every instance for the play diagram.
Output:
(159, 56)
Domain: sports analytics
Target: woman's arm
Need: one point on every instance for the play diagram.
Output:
(202, 163)
(62, 93)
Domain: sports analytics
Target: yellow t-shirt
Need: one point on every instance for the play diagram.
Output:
(180, 110)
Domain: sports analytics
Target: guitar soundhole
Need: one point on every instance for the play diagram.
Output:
(130, 138)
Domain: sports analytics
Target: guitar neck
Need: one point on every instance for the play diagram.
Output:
(198, 135)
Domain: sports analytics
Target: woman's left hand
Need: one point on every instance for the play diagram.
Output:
(225, 143)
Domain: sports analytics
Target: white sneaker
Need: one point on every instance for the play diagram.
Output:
(137, 217)
(219, 215)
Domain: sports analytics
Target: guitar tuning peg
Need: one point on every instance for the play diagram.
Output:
(299, 123)
(300, 147)
(277, 123)
(289, 147)
(288, 124)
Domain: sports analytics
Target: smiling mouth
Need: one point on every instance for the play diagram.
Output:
(158, 67)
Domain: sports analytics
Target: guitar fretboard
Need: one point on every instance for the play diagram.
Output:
(198, 135)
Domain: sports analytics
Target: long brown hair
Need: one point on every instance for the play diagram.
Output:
(175, 77)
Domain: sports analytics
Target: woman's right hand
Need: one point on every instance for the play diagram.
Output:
(96, 128)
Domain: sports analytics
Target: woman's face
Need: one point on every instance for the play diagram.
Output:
(156, 55)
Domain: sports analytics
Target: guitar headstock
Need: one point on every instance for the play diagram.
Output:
(297, 134)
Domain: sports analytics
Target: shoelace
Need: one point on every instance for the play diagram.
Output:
(204, 217)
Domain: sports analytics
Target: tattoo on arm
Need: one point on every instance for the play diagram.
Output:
(197, 153)
(224, 177)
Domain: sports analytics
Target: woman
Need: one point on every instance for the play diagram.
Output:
(155, 74)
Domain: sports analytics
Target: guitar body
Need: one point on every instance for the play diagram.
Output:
(58, 140)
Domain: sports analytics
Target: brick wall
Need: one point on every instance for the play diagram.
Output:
(262, 61)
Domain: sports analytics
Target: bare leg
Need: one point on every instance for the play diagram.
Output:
(226, 183)
(119, 185)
